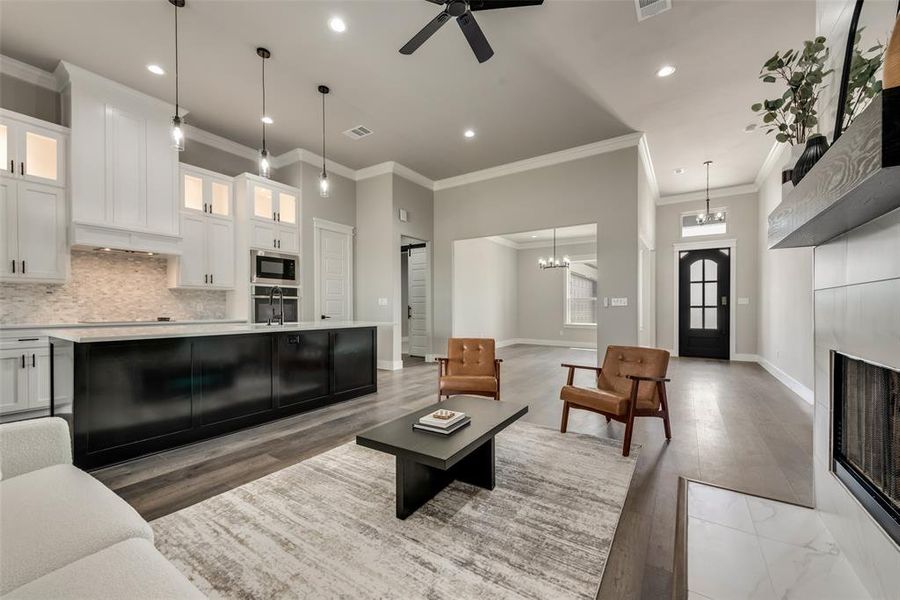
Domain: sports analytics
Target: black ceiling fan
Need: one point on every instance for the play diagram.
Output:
(462, 10)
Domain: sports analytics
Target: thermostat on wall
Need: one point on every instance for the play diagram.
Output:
(404, 216)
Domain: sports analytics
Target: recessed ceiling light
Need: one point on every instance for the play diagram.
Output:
(534, 236)
(469, 133)
(156, 69)
(680, 170)
(337, 25)
(267, 120)
(665, 71)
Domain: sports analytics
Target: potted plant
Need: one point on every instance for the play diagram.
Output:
(793, 116)
(862, 78)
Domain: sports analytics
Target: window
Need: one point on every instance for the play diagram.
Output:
(704, 300)
(581, 293)
(690, 227)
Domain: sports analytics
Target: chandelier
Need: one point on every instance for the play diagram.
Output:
(708, 218)
(554, 261)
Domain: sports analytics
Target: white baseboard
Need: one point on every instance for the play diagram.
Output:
(745, 357)
(389, 365)
(431, 357)
(795, 386)
(557, 343)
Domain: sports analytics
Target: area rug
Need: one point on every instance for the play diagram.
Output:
(325, 527)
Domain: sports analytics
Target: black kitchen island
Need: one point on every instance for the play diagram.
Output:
(141, 390)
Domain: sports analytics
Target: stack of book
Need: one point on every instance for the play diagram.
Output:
(443, 422)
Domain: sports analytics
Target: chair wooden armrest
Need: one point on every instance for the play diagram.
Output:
(571, 378)
(647, 378)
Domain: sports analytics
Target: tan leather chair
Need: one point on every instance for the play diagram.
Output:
(631, 383)
(470, 368)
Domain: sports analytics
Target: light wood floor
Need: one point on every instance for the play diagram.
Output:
(732, 424)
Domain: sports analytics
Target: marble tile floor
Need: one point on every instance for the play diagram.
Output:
(745, 547)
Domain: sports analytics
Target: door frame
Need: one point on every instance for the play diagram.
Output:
(429, 248)
(318, 226)
(678, 248)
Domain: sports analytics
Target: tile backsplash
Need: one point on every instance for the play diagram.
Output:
(108, 287)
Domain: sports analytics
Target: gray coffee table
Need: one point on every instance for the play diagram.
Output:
(428, 462)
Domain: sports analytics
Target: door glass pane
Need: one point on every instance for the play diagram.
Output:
(219, 200)
(711, 318)
(4, 148)
(711, 290)
(40, 156)
(710, 268)
(287, 207)
(697, 270)
(193, 192)
(262, 202)
(696, 318)
(696, 294)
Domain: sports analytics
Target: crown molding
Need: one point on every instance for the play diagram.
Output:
(644, 154)
(499, 239)
(395, 168)
(723, 192)
(31, 74)
(774, 158)
(503, 241)
(546, 160)
(210, 139)
(311, 158)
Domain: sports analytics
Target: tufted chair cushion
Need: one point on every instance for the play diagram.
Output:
(470, 356)
(621, 361)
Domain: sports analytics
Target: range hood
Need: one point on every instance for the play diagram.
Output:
(857, 180)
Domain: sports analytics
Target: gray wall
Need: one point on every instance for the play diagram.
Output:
(485, 291)
(214, 159)
(541, 298)
(375, 250)
(339, 207)
(29, 99)
(785, 307)
(742, 226)
(599, 189)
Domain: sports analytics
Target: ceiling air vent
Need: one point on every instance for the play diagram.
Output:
(651, 8)
(358, 132)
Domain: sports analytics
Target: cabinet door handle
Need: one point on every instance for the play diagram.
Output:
(279, 216)
(210, 277)
(23, 361)
(205, 278)
(279, 243)
(12, 166)
(33, 360)
(274, 243)
(13, 261)
(23, 267)
(21, 168)
(274, 216)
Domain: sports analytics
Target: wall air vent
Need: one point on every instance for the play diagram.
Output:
(358, 132)
(651, 8)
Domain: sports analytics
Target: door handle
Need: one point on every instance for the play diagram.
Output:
(325, 317)
(724, 300)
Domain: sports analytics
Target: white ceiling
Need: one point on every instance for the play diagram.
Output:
(564, 74)
(544, 236)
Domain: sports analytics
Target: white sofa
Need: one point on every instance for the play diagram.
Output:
(63, 534)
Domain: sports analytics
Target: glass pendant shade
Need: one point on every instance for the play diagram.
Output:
(265, 167)
(177, 134)
(324, 185)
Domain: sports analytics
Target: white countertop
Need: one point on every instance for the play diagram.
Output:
(81, 335)
(84, 324)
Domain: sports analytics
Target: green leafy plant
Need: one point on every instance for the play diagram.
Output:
(792, 117)
(862, 81)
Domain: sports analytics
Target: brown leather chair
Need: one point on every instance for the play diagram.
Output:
(631, 383)
(470, 368)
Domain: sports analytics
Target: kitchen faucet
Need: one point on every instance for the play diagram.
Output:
(272, 308)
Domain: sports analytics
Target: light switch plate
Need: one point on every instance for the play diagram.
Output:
(743, 300)
(382, 302)
(619, 301)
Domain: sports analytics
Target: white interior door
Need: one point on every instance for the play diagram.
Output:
(418, 301)
(335, 275)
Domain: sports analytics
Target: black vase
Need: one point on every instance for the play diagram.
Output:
(816, 146)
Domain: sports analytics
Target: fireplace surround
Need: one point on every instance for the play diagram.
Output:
(865, 443)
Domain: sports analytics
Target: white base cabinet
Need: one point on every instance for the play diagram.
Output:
(25, 376)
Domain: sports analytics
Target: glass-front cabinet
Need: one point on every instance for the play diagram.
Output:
(273, 205)
(32, 150)
(205, 191)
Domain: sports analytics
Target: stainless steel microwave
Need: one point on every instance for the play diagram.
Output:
(274, 268)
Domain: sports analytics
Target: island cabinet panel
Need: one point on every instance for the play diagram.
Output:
(303, 367)
(130, 392)
(353, 360)
(233, 377)
(138, 396)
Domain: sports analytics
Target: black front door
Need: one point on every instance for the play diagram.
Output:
(704, 282)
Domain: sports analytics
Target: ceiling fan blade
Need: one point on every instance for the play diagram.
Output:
(442, 2)
(426, 32)
(492, 4)
(475, 36)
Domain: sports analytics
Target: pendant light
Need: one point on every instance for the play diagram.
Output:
(177, 130)
(323, 177)
(265, 167)
(554, 262)
(709, 218)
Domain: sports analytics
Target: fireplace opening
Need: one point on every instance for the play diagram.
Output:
(866, 436)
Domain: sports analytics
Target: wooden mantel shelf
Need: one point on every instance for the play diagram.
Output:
(856, 181)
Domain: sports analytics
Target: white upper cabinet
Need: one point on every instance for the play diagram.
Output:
(124, 171)
(273, 203)
(32, 150)
(207, 229)
(273, 213)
